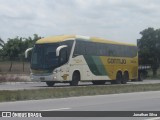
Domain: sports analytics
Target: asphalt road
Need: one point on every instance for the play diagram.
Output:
(141, 101)
(37, 85)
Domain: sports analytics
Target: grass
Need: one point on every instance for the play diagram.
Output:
(18, 95)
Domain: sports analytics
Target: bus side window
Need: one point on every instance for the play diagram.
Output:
(102, 50)
(111, 50)
(79, 49)
(63, 56)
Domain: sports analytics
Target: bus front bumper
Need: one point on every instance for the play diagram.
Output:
(43, 77)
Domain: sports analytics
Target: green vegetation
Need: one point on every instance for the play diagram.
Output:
(15, 47)
(18, 95)
(13, 51)
(149, 48)
(150, 76)
(1, 43)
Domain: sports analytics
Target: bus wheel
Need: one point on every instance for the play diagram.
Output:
(125, 78)
(118, 79)
(50, 83)
(75, 79)
(100, 82)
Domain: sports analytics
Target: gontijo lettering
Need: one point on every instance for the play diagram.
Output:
(116, 61)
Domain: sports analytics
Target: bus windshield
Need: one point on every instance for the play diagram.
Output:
(44, 56)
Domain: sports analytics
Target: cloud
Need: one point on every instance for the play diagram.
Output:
(120, 20)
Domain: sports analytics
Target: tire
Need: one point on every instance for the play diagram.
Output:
(75, 79)
(101, 82)
(50, 83)
(125, 78)
(118, 79)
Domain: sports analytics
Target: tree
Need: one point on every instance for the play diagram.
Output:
(1, 46)
(16, 47)
(13, 47)
(149, 48)
(1, 43)
(29, 42)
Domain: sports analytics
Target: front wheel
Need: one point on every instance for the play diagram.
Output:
(50, 83)
(75, 79)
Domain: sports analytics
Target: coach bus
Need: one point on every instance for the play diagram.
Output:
(73, 58)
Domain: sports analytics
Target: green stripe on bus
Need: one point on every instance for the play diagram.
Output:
(99, 65)
(95, 65)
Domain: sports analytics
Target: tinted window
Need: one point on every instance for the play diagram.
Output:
(44, 56)
(69, 44)
(80, 48)
(83, 47)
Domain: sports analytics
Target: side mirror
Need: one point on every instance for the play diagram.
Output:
(26, 52)
(59, 49)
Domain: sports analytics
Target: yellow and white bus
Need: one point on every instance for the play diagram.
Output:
(73, 58)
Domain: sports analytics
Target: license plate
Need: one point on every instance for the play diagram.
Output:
(42, 78)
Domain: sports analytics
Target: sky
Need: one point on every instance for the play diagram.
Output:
(118, 20)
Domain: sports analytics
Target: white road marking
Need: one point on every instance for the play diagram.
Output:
(58, 109)
(155, 118)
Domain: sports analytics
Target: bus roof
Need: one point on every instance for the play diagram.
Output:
(60, 38)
